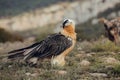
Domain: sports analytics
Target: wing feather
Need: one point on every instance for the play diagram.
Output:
(53, 45)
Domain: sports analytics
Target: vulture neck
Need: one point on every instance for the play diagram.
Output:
(69, 31)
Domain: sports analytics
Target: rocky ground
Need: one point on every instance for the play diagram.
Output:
(90, 60)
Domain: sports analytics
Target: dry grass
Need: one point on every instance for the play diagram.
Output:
(105, 45)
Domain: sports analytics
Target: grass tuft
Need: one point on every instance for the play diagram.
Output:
(107, 46)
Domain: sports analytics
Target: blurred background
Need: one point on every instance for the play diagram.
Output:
(35, 19)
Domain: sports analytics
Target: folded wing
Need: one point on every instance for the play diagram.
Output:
(51, 46)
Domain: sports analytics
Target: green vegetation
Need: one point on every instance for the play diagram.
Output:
(116, 70)
(105, 46)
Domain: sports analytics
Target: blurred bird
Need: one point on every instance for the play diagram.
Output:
(112, 28)
(55, 46)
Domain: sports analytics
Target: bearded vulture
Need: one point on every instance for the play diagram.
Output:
(55, 46)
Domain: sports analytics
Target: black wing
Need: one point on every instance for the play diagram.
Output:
(51, 46)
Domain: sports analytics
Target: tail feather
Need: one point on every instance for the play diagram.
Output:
(16, 54)
(22, 52)
(29, 53)
(31, 46)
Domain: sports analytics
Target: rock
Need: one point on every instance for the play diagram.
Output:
(92, 53)
(9, 66)
(111, 60)
(98, 74)
(113, 53)
(34, 74)
(62, 72)
(28, 73)
(82, 52)
(84, 63)
(88, 55)
(79, 55)
(79, 48)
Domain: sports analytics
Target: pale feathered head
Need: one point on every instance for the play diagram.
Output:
(68, 22)
(64, 24)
